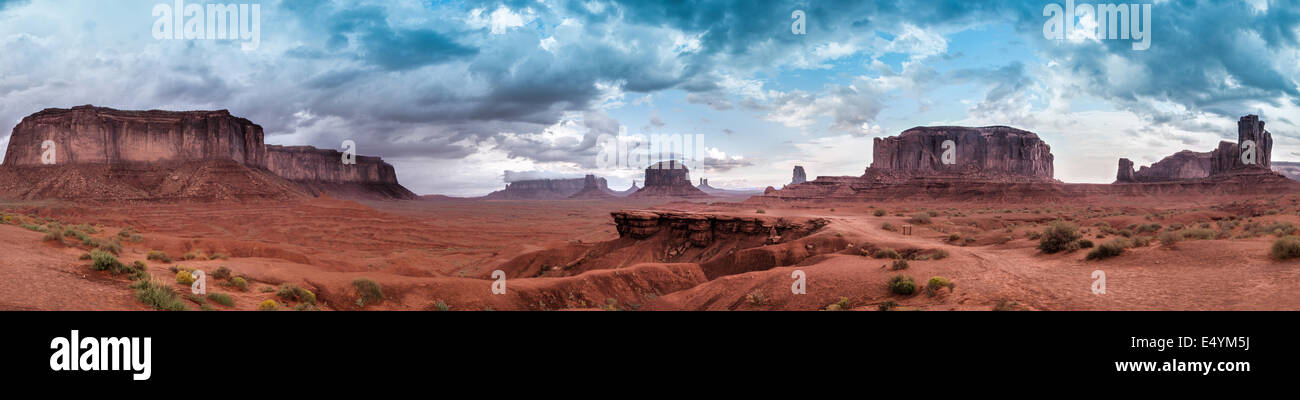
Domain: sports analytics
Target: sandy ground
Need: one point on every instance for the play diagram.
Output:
(435, 254)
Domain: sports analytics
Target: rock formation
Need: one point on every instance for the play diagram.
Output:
(593, 188)
(1185, 164)
(156, 154)
(1225, 159)
(668, 179)
(799, 175)
(993, 153)
(541, 189)
(713, 191)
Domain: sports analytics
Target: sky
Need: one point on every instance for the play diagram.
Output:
(464, 96)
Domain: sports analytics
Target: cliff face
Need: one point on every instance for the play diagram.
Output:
(1185, 164)
(799, 175)
(988, 153)
(95, 135)
(159, 142)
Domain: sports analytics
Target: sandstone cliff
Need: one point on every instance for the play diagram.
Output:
(1225, 159)
(989, 153)
(1185, 164)
(799, 175)
(593, 189)
(105, 148)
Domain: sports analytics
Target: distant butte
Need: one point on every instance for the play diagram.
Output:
(106, 154)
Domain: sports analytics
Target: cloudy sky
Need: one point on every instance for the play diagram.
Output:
(461, 96)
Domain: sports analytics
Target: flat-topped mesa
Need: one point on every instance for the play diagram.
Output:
(539, 189)
(124, 152)
(996, 153)
(97, 135)
(1182, 165)
(668, 179)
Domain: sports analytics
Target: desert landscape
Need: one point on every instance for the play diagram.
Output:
(138, 200)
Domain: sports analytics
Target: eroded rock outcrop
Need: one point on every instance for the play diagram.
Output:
(131, 154)
(799, 175)
(593, 188)
(700, 230)
(668, 179)
(539, 189)
(1185, 164)
(1227, 158)
(993, 153)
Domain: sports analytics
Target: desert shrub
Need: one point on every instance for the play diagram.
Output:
(268, 305)
(221, 298)
(761, 211)
(1085, 244)
(1196, 234)
(1286, 248)
(1109, 249)
(953, 237)
(155, 255)
(1006, 305)
(239, 283)
(756, 297)
(441, 306)
(880, 212)
(1169, 238)
(902, 284)
(305, 307)
(1140, 241)
(185, 277)
(35, 227)
(158, 295)
(935, 283)
(887, 305)
(84, 256)
(126, 232)
(368, 291)
(885, 253)
(889, 227)
(841, 305)
(1148, 228)
(939, 254)
(105, 261)
(920, 219)
(291, 292)
(111, 246)
(219, 256)
(136, 238)
(1058, 236)
(899, 265)
(194, 255)
(53, 237)
(221, 273)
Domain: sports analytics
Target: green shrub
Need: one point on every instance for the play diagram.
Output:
(441, 306)
(899, 265)
(1058, 236)
(222, 299)
(886, 253)
(935, 283)
(126, 232)
(902, 284)
(112, 246)
(105, 261)
(887, 305)
(1085, 244)
(1286, 248)
(939, 254)
(219, 256)
(240, 283)
(1109, 249)
(221, 273)
(291, 292)
(368, 291)
(155, 255)
(157, 295)
(268, 305)
(194, 255)
(53, 237)
(889, 227)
